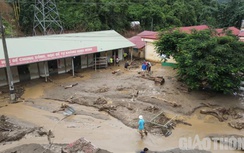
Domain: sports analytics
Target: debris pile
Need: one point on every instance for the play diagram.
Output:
(151, 109)
(161, 124)
(173, 104)
(68, 110)
(116, 71)
(158, 80)
(237, 125)
(12, 132)
(82, 145)
(102, 90)
(233, 115)
(101, 101)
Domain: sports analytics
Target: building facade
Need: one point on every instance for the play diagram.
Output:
(43, 56)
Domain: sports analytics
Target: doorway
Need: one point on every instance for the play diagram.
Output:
(77, 62)
(24, 73)
(53, 67)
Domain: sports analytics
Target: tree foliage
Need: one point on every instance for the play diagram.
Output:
(91, 15)
(205, 60)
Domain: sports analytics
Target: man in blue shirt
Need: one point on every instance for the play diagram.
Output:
(144, 67)
(145, 150)
(141, 124)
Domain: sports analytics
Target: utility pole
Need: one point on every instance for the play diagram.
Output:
(9, 74)
(46, 18)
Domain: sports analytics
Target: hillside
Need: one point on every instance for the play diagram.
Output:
(12, 28)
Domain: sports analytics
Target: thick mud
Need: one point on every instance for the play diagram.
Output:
(107, 107)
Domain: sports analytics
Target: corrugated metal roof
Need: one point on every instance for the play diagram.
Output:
(137, 40)
(149, 34)
(100, 40)
(190, 28)
(234, 30)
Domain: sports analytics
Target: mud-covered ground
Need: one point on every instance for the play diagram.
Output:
(107, 104)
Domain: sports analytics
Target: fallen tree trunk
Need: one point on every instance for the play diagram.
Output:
(157, 80)
(236, 125)
(213, 113)
(70, 86)
(173, 104)
(219, 113)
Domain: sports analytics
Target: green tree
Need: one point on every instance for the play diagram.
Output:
(204, 59)
(26, 16)
(232, 13)
(92, 15)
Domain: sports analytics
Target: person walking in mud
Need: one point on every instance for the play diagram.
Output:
(141, 126)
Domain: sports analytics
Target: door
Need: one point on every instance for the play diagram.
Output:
(53, 67)
(24, 73)
(77, 62)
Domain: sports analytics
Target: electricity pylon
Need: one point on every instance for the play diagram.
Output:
(46, 18)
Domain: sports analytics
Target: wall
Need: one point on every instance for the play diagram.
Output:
(33, 68)
(15, 74)
(61, 66)
(68, 62)
(151, 54)
(120, 54)
(84, 61)
(3, 77)
(242, 39)
(40, 69)
(90, 60)
(139, 53)
(43, 69)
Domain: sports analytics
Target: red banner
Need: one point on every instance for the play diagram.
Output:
(48, 56)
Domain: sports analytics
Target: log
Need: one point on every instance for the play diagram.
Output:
(158, 79)
(107, 108)
(101, 101)
(70, 86)
(183, 122)
(173, 104)
(237, 125)
(213, 113)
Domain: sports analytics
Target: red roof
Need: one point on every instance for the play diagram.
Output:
(149, 34)
(234, 31)
(189, 28)
(154, 35)
(137, 40)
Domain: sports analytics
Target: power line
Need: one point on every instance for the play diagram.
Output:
(119, 2)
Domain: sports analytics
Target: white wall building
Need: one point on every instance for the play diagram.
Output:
(43, 56)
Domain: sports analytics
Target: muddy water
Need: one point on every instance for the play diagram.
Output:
(103, 131)
(203, 126)
(108, 133)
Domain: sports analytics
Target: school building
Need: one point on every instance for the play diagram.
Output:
(43, 56)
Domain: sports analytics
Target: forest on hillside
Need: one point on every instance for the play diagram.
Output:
(94, 15)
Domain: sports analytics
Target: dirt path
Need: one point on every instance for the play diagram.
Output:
(113, 93)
